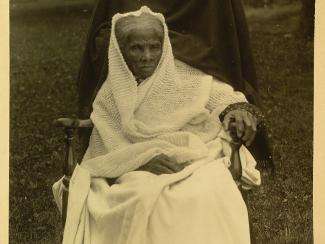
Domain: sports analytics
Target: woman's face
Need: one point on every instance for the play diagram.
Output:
(142, 50)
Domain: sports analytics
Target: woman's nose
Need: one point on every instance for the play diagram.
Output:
(147, 55)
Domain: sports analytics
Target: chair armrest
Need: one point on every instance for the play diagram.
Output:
(70, 125)
(73, 123)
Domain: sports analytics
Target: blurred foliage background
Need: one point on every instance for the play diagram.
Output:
(47, 40)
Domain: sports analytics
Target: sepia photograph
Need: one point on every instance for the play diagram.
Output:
(161, 121)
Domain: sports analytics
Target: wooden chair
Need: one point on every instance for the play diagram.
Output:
(70, 127)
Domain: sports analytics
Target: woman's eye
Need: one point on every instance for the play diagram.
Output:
(135, 48)
(155, 47)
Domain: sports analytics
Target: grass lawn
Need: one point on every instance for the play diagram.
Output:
(45, 55)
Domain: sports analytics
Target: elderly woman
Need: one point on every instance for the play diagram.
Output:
(156, 169)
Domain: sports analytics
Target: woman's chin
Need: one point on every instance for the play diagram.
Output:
(146, 74)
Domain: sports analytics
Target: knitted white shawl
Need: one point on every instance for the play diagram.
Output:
(166, 114)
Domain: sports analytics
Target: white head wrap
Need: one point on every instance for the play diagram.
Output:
(129, 24)
(166, 101)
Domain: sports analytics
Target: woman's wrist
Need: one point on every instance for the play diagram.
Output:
(252, 109)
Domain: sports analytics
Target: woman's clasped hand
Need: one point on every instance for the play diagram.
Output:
(245, 124)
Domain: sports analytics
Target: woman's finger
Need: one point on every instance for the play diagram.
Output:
(253, 123)
(161, 169)
(247, 118)
(248, 123)
(248, 132)
(162, 164)
(239, 124)
(253, 120)
(174, 166)
(165, 169)
(249, 135)
(156, 168)
(229, 116)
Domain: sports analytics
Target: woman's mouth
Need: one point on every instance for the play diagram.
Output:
(147, 67)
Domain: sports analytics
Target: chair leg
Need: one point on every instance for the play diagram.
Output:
(67, 171)
(65, 196)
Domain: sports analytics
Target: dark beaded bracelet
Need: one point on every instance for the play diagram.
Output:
(254, 110)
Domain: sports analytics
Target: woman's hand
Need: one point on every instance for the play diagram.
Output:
(161, 164)
(245, 124)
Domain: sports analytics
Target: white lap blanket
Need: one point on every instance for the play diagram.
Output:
(200, 204)
(174, 112)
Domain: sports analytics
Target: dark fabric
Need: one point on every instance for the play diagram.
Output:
(252, 109)
(211, 35)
